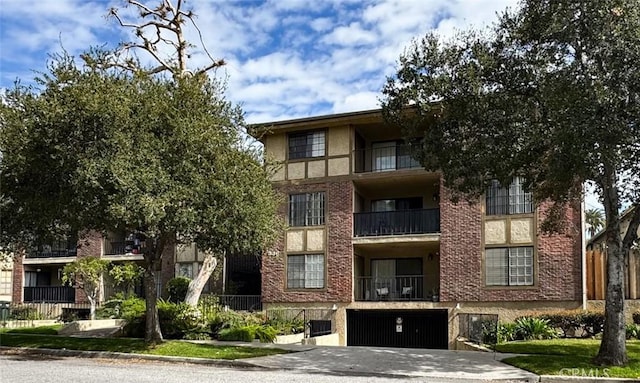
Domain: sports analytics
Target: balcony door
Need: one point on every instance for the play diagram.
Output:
(383, 272)
(383, 156)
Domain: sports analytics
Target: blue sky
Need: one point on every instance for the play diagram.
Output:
(286, 58)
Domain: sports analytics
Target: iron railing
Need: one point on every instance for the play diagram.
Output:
(313, 321)
(479, 328)
(399, 222)
(387, 158)
(51, 294)
(398, 288)
(233, 302)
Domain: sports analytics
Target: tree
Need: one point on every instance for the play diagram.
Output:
(126, 275)
(594, 219)
(162, 29)
(99, 148)
(549, 93)
(86, 273)
(112, 144)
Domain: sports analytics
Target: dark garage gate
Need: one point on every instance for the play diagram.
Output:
(398, 328)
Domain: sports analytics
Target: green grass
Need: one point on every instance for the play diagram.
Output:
(566, 356)
(137, 346)
(42, 330)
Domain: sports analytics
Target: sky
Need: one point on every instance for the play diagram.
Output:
(285, 58)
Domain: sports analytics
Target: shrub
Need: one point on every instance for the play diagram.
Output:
(266, 334)
(507, 332)
(636, 317)
(244, 333)
(567, 321)
(592, 322)
(633, 331)
(179, 319)
(489, 332)
(528, 328)
(177, 289)
(24, 313)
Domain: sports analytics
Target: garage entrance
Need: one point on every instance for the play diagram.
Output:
(398, 328)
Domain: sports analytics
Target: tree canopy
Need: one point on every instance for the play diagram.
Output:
(550, 93)
(99, 148)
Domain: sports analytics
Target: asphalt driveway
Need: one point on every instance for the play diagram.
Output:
(399, 362)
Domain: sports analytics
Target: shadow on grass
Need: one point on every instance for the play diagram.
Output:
(136, 346)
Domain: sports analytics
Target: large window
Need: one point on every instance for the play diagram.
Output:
(305, 271)
(306, 209)
(391, 155)
(5, 282)
(509, 266)
(512, 200)
(306, 144)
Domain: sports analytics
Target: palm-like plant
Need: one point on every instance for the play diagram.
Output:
(595, 221)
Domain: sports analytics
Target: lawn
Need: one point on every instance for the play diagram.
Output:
(137, 346)
(568, 357)
(42, 330)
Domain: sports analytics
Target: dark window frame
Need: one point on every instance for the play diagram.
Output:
(298, 279)
(509, 200)
(302, 145)
(307, 209)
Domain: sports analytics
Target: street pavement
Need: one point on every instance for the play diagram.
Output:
(54, 369)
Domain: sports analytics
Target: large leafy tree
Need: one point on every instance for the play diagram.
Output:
(99, 148)
(551, 93)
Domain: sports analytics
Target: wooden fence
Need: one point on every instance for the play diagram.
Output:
(597, 275)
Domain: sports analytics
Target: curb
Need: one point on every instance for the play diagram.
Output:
(583, 379)
(123, 355)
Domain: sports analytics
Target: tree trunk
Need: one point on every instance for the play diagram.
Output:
(197, 284)
(152, 333)
(613, 347)
(92, 304)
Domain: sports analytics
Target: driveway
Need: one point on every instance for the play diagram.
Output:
(398, 362)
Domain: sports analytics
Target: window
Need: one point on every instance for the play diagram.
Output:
(391, 155)
(305, 271)
(185, 270)
(511, 200)
(511, 266)
(306, 145)
(5, 282)
(306, 209)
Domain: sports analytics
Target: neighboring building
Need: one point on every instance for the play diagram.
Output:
(375, 239)
(37, 275)
(596, 260)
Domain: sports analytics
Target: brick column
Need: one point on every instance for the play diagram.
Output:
(17, 292)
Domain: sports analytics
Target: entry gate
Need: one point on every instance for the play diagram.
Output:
(398, 328)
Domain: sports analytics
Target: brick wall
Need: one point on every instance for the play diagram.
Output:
(339, 254)
(17, 279)
(558, 258)
(168, 270)
(90, 244)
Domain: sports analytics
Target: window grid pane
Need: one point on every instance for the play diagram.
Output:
(509, 266)
(295, 271)
(306, 145)
(521, 266)
(497, 270)
(5, 282)
(306, 209)
(512, 200)
(305, 271)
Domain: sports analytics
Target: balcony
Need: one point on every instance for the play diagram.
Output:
(398, 288)
(385, 158)
(52, 253)
(50, 294)
(399, 222)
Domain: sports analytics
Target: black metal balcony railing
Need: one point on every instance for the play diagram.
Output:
(49, 253)
(387, 158)
(399, 222)
(398, 288)
(50, 294)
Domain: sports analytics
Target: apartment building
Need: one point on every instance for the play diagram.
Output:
(37, 274)
(375, 239)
